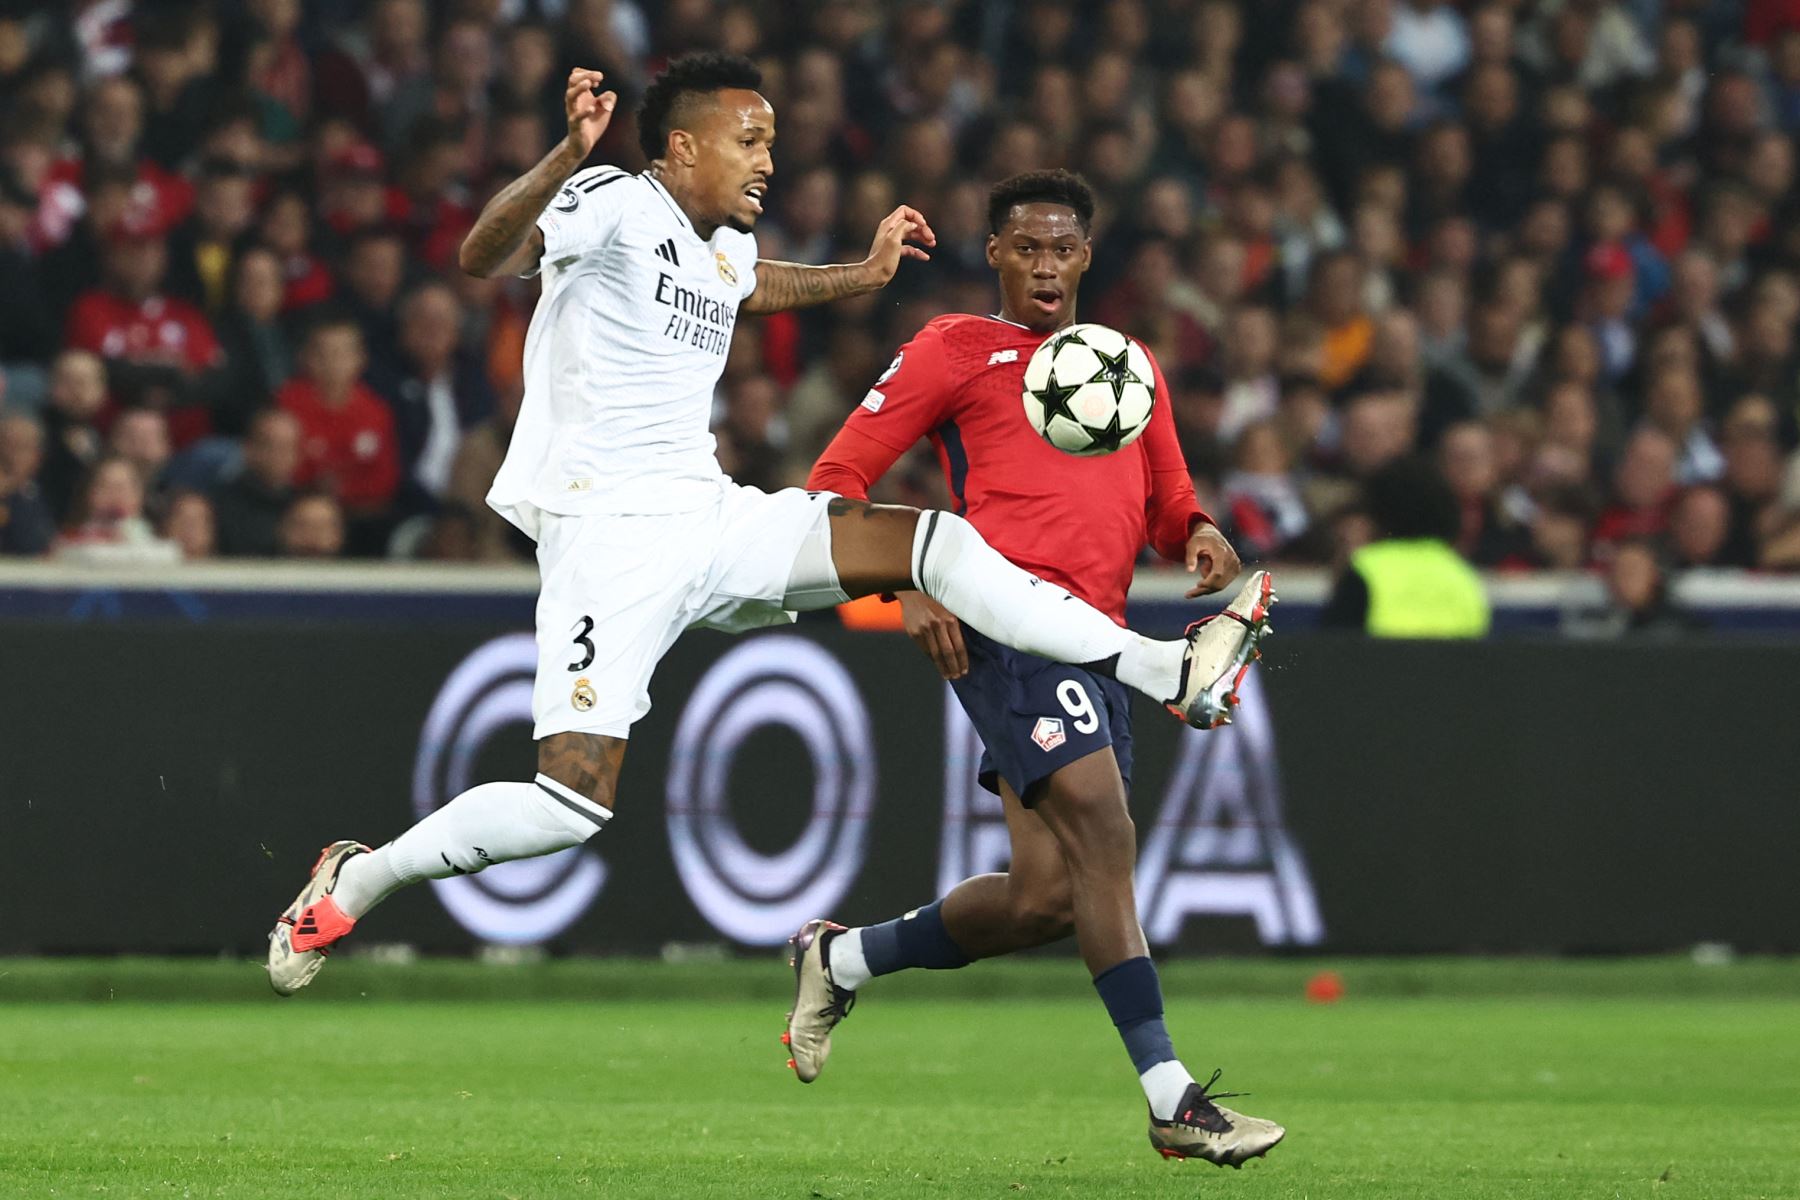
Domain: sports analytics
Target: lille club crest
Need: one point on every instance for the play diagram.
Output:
(1048, 733)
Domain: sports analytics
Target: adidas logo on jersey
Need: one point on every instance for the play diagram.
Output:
(666, 252)
(1002, 356)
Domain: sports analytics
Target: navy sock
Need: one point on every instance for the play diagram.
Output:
(918, 939)
(1132, 994)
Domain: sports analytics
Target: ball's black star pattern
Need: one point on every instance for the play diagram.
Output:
(1105, 440)
(1115, 371)
(1055, 399)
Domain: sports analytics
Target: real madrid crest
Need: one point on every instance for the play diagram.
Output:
(583, 697)
(727, 272)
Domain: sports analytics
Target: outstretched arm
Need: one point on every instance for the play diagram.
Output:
(506, 239)
(783, 285)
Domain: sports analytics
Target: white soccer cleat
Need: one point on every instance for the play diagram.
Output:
(304, 934)
(1219, 652)
(1202, 1128)
(819, 1004)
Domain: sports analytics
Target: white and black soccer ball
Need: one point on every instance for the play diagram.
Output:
(1089, 390)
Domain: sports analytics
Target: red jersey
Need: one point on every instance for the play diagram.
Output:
(351, 447)
(160, 330)
(1077, 522)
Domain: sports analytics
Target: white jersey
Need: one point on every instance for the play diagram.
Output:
(624, 351)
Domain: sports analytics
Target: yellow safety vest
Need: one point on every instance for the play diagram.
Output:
(1421, 589)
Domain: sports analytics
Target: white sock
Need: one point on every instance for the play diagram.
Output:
(1150, 666)
(954, 566)
(849, 969)
(492, 823)
(1164, 1086)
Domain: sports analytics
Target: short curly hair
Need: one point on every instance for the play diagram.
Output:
(1041, 187)
(688, 76)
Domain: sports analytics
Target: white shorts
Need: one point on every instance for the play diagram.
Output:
(616, 591)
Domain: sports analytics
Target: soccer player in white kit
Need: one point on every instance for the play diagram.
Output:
(640, 535)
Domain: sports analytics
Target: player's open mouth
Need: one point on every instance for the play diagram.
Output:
(755, 193)
(1047, 298)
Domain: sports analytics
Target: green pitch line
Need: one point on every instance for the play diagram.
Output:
(366, 977)
(1499, 1090)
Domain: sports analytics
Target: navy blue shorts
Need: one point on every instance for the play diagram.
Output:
(1036, 716)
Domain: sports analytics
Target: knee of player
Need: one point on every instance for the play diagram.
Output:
(1047, 910)
(1097, 829)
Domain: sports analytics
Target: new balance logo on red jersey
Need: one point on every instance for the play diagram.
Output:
(666, 251)
(1002, 356)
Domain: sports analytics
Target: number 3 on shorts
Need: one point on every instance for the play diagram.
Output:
(1075, 702)
(587, 643)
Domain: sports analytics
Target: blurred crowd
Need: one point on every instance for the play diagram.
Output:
(1553, 246)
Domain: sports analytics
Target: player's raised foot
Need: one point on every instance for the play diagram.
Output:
(1203, 1129)
(819, 1004)
(304, 934)
(1220, 650)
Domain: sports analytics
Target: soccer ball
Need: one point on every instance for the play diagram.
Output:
(1089, 390)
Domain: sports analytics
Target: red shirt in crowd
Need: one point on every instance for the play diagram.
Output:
(1077, 522)
(350, 447)
(159, 331)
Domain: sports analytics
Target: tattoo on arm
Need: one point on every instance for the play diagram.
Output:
(783, 285)
(507, 222)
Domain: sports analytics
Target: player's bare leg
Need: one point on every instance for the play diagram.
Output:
(886, 548)
(984, 917)
(1084, 806)
(571, 799)
(1029, 904)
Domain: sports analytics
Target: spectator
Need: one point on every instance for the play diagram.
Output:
(1409, 582)
(1466, 458)
(1637, 592)
(157, 346)
(1699, 527)
(109, 508)
(72, 433)
(259, 352)
(374, 274)
(312, 526)
(1464, 220)
(347, 442)
(1335, 299)
(1252, 390)
(189, 523)
(490, 537)
(1675, 407)
(140, 436)
(1262, 499)
(1752, 479)
(435, 390)
(27, 331)
(249, 507)
(1643, 485)
(286, 229)
(201, 250)
(26, 525)
(1559, 532)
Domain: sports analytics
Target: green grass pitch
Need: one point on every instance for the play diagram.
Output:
(1451, 1079)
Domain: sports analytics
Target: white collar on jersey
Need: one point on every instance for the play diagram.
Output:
(1014, 324)
(656, 185)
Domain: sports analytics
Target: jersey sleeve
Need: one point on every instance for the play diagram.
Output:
(1172, 512)
(746, 268)
(586, 212)
(909, 399)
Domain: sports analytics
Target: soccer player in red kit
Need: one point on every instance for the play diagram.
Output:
(1057, 737)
